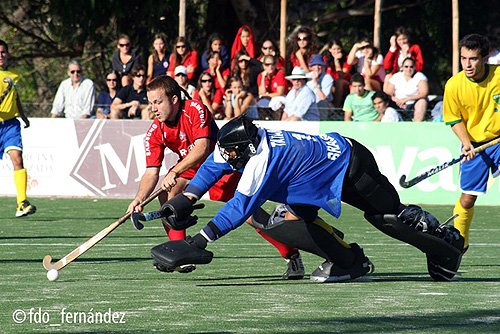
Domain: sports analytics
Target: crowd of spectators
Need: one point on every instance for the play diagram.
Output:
(363, 84)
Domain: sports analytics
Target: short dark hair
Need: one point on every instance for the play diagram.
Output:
(2, 42)
(476, 42)
(169, 86)
(381, 95)
(137, 68)
(357, 77)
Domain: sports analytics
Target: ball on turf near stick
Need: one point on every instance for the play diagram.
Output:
(52, 274)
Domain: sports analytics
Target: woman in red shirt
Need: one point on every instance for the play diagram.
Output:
(304, 46)
(402, 48)
(209, 96)
(183, 55)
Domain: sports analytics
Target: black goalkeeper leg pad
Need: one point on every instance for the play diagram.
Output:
(173, 254)
(310, 237)
(443, 256)
(427, 243)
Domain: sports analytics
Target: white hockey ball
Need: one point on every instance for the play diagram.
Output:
(52, 274)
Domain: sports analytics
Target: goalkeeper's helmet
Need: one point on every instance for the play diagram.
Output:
(238, 140)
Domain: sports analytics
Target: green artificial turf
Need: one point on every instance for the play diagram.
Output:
(241, 291)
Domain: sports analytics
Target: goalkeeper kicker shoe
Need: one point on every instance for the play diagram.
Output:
(329, 272)
(295, 270)
(25, 208)
(184, 269)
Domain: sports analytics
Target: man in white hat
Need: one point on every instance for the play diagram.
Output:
(180, 73)
(300, 103)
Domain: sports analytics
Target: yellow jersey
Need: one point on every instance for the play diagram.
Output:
(8, 108)
(476, 104)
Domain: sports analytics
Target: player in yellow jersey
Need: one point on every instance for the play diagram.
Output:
(10, 129)
(472, 108)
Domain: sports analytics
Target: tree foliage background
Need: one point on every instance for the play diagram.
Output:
(43, 35)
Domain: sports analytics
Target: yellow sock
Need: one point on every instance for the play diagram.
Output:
(21, 179)
(320, 222)
(463, 221)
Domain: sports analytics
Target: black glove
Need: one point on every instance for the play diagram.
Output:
(177, 212)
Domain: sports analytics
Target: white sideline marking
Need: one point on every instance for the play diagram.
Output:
(218, 243)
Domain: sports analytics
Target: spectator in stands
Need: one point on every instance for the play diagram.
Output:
(337, 67)
(409, 90)
(219, 74)
(247, 69)
(158, 59)
(107, 96)
(370, 63)
(300, 102)
(359, 105)
(381, 104)
(269, 48)
(243, 42)
(239, 101)
(124, 59)
(401, 48)
(303, 47)
(215, 43)
(494, 56)
(272, 89)
(321, 83)
(75, 96)
(132, 101)
(272, 82)
(183, 55)
(211, 97)
(180, 73)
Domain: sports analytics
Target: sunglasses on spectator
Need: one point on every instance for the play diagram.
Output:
(206, 80)
(115, 80)
(267, 47)
(138, 75)
(268, 64)
(75, 71)
(180, 75)
(408, 66)
(242, 60)
(180, 46)
(124, 45)
(303, 38)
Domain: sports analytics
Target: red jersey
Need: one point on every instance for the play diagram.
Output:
(272, 84)
(217, 97)
(193, 122)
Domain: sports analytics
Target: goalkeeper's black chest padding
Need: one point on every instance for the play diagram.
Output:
(180, 252)
(426, 242)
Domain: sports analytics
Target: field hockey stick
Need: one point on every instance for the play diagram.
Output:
(10, 84)
(47, 260)
(166, 212)
(407, 184)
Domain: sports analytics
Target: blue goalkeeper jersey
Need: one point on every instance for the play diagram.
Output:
(289, 167)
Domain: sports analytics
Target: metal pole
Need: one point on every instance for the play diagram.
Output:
(455, 36)
(377, 23)
(182, 18)
(283, 29)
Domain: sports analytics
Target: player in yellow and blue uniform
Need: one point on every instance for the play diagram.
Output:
(472, 108)
(10, 130)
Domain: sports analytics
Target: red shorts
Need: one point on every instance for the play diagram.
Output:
(224, 189)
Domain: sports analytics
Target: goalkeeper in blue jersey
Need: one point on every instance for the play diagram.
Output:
(305, 173)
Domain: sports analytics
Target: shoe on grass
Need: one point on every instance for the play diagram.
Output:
(25, 208)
